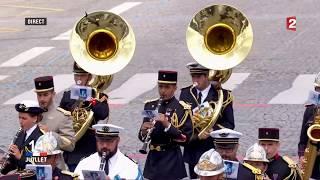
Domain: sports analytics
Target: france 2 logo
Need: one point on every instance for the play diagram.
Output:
(291, 23)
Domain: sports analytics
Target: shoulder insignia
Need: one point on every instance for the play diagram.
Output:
(151, 100)
(69, 173)
(254, 170)
(185, 105)
(65, 112)
(186, 87)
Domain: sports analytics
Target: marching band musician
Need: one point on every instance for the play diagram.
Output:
(53, 120)
(210, 166)
(203, 92)
(29, 115)
(226, 142)
(308, 120)
(87, 144)
(254, 164)
(108, 158)
(48, 144)
(279, 167)
(172, 127)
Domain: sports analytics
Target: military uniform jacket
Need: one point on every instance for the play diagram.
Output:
(22, 144)
(119, 166)
(278, 169)
(87, 144)
(247, 172)
(61, 126)
(197, 147)
(308, 119)
(168, 162)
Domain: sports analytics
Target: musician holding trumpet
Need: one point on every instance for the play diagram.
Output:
(29, 116)
(171, 127)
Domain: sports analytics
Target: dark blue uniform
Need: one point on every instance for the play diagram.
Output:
(164, 160)
(197, 147)
(247, 172)
(87, 144)
(22, 145)
(308, 120)
(278, 169)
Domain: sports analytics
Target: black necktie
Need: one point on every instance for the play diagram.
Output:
(199, 97)
(106, 168)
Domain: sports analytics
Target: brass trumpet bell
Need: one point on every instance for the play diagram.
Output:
(102, 43)
(219, 37)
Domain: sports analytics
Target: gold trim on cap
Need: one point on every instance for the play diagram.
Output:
(43, 90)
(277, 140)
(167, 82)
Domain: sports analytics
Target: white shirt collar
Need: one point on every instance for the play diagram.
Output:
(204, 93)
(112, 161)
(30, 130)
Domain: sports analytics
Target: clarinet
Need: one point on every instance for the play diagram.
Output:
(7, 155)
(103, 161)
(146, 141)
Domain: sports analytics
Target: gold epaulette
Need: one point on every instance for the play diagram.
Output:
(254, 170)
(65, 112)
(70, 174)
(185, 105)
(151, 100)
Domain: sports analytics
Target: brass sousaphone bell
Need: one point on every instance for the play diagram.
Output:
(102, 43)
(219, 37)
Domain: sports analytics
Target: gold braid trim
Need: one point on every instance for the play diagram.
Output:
(254, 170)
(175, 119)
(295, 171)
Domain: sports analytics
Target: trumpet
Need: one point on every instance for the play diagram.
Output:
(5, 161)
(103, 161)
(147, 139)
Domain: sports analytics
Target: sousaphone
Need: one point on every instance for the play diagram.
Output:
(102, 43)
(219, 37)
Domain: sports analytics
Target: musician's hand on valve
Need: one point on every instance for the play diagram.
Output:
(163, 120)
(14, 150)
(205, 134)
(145, 126)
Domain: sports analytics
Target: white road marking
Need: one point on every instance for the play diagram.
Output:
(117, 10)
(235, 80)
(63, 36)
(298, 93)
(25, 56)
(2, 77)
(124, 7)
(133, 87)
(61, 82)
